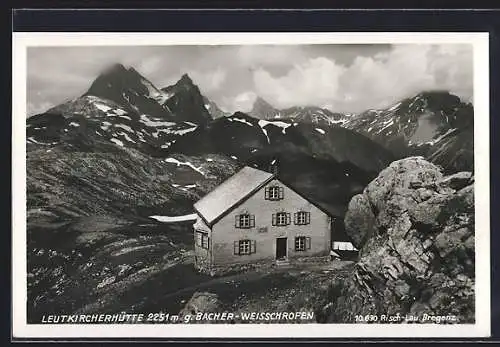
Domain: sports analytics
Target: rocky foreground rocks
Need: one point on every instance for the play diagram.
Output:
(415, 231)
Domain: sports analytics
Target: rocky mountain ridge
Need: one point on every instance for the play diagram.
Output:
(306, 114)
(436, 125)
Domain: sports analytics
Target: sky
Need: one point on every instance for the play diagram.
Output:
(342, 78)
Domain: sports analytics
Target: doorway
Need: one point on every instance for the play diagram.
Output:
(281, 246)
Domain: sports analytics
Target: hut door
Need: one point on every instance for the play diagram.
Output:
(281, 247)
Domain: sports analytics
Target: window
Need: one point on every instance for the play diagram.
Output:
(244, 220)
(281, 219)
(302, 218)
(274, 193)
(202, 240)
(302, 243)
(243, 247)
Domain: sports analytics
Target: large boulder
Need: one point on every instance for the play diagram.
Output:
(415, 231)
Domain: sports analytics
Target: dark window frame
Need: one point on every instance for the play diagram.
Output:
(276, 217)
(239, 218)
(302, 218)
(274, 193)
(251, 249)
(202, 240)
(302, 243)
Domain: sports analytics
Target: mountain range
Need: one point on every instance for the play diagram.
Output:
(307, 114)
(122, 108)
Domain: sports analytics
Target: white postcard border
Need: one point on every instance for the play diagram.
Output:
(21, 41)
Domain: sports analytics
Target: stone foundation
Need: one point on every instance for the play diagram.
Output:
(266, 264)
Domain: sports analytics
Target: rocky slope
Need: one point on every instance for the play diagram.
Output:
(415, 231)
(437, 125)
(90, 240)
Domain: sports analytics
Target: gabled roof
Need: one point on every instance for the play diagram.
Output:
(231, 192)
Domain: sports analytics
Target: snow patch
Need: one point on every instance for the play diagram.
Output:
(105, 125)
(441, 136)
(209, 159)
(243, 121)
(124, 127)
(119, 112)
(126, 136)
(184, 131)
(118, 142)
(103, 108)
(179, 163)
(173, 219)
(394, 107)
(148, 122)
(321, 131)
(234, 157)
(73, 124)
(283, 125)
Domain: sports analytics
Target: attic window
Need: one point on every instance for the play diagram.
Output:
(274, 193)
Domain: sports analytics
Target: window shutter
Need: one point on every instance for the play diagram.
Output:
(274, 219)
(236, 247)
(288, 218)
(295, 217)
(281, 192)
(308, 243)
(266, 193)
(252, 221)
(237, 221)
(252, 246)
(308, 217)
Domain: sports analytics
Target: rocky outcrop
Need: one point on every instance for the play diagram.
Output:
(415, 231)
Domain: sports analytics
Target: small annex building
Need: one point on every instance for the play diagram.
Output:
(254, 217)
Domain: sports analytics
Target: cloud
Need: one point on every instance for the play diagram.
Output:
(242, 102)
(209, 81)
(347, 78)
(34, 108)
(313, 83)
(371, 81)
(267, 55)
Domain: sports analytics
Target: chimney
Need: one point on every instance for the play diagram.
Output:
(274, 167)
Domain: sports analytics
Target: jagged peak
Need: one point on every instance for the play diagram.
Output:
(186, 79)
(113, 68)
